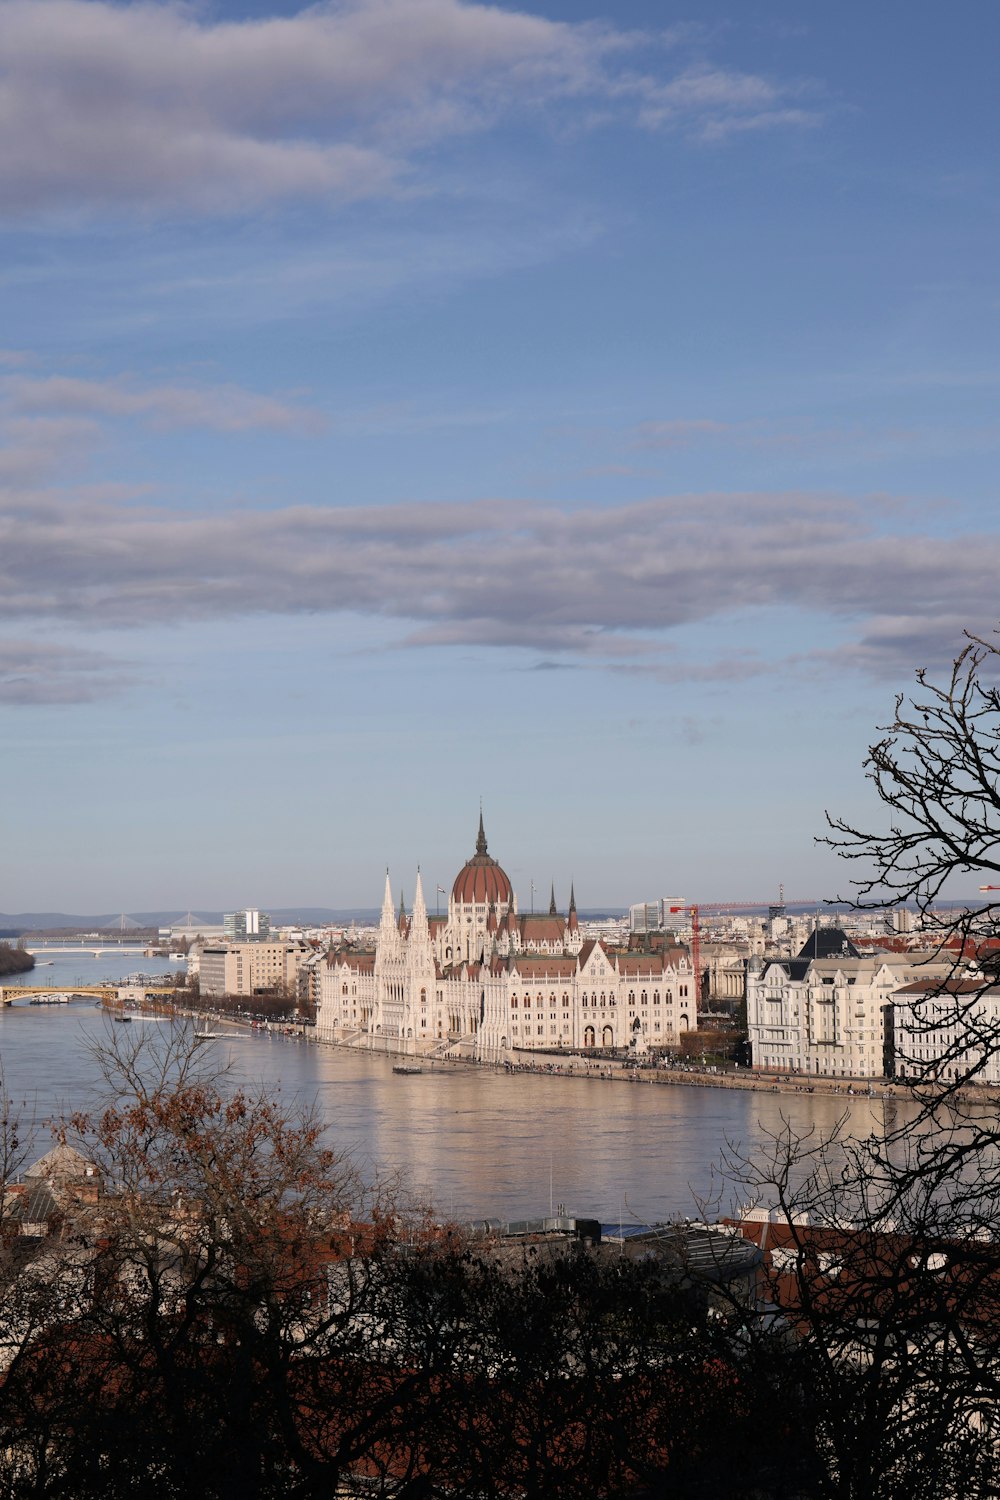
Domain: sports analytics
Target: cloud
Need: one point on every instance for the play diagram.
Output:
(681, 431)
(41, 673)
(714, 102)
(222, 408)
(155, 106)
(610, 588)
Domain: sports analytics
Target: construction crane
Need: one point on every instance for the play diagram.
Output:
(695, 908)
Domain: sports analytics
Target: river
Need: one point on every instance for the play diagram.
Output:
(473, 1142)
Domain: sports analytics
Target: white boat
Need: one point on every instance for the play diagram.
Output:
(49, 1000)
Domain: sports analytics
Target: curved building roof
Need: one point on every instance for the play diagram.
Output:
(481, 880)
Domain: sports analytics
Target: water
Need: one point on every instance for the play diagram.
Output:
(61, 970)
(473, 1142)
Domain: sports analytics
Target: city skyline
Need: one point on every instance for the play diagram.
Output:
(583, 411)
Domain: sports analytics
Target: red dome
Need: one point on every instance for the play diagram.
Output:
(481, 881)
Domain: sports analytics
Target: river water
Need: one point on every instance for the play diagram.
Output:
(472, 1142)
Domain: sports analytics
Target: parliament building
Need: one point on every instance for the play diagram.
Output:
(488, 982)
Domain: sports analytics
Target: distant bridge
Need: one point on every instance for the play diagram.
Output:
(9, 993)
(108, 993)
(97, 949)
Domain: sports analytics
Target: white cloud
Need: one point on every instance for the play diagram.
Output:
(223, 408)
(155, 106)
(612, 588)
(32, 673)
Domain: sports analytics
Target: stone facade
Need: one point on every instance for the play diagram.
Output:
(488, 982)
(823, 1012)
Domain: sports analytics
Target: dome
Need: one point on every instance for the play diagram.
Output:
(481, 880)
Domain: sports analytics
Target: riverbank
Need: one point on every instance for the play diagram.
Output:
(613, 1070)
(15, 960)
(616, 1070)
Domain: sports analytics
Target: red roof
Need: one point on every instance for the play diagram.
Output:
(481, 880)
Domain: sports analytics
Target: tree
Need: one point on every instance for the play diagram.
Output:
(936, 767)
(235, 1311)
(185, 1365)
(891, 1292)
(886, 1251)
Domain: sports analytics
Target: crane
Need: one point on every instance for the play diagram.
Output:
(695, 908)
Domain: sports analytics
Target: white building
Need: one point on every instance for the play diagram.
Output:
(945, 1033)
(490, 981)
(823, 1012)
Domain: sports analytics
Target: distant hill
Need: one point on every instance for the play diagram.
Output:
(14, 923)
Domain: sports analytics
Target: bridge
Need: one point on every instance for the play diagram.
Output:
(108, 993)
(97, 948)
(11, 992)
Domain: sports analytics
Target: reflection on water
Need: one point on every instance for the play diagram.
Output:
(473, 1142)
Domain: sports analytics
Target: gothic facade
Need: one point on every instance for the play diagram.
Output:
(487, 981)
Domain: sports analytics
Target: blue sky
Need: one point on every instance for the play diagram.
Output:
(587, 409)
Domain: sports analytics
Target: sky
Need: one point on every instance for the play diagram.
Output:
(585, 410)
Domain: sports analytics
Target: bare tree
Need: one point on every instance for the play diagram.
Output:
(936, 768)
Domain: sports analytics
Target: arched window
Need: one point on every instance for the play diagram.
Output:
(423, 997)
(513, 1002)
(607, 1037)
(588, 1035)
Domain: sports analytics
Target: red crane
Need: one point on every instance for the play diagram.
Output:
(695, 908)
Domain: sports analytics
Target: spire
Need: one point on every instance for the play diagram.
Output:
(481, 840)
(574, 922)
(572, 897)
(419, 936)
(552, 901)
(387, 898)
(419, 909)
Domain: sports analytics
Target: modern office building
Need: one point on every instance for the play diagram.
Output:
(249, 926)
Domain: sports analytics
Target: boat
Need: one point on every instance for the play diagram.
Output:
(123, 1020)
(207, 1036)
(405, 1068)
(49, 1000)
